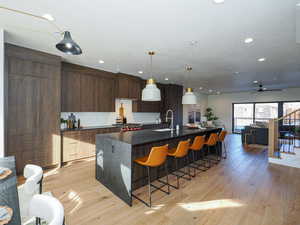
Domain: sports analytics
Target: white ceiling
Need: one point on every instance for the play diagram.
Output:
(121, 32)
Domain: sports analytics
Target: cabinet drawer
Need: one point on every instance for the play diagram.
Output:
(70, 151)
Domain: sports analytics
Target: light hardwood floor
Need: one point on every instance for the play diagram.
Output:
(241, 190)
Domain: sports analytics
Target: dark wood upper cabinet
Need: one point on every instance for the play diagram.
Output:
(105, 101)
(70, 93)
(128, 87)
(87, 90)
(88, 93)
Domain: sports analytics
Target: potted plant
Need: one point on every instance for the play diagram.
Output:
(210, 116)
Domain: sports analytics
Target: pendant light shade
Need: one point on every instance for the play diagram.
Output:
(67, 45)
(151, 93)
(189, 98)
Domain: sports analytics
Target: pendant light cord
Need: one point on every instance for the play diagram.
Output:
(33, 15)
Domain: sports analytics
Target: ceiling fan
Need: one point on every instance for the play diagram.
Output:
(261, 88)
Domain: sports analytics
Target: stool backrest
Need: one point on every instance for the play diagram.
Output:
(157, 156)
(47, 208)
(182, 148)
(222, 135)
(212, 140)
(33, 175)
(198, 143)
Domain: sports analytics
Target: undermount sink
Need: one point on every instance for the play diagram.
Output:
(163, 130)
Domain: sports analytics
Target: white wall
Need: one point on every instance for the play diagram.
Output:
(108, 118)
(222, 104)
(202, 105)
(1, 92)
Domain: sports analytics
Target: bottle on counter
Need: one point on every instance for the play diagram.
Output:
(78, 123)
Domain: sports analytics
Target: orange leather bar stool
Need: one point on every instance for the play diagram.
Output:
(221, 140)
(197, 146)
(211, 142)
(156, 158)
(181, 152)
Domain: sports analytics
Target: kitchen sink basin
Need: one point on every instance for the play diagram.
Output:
(163, 130)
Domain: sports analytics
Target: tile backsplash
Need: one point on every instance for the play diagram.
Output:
(108, 118)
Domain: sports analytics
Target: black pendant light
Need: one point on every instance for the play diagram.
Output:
(67, 45)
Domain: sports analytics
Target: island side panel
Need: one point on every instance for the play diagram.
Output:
(113, 166)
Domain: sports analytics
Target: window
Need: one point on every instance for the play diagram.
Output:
(265, 111)
(243, 116)
(289, 107)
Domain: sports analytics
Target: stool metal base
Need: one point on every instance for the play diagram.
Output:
(157, 188)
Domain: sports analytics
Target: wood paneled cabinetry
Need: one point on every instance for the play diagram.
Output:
(128, 87)
(81, 144)
(172, 99)
(33, 106)
(87, 90)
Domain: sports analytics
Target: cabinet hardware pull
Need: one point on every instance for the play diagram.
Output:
(113, 149)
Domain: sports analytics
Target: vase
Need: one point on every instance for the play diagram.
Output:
(210, 123)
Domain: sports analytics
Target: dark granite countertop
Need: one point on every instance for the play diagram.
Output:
(88, 128)
(105, 126)
(148, 136)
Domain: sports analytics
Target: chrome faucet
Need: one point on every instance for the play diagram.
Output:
(172, 118)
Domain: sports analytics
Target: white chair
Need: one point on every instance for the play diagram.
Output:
(32, 186)
(47, 208)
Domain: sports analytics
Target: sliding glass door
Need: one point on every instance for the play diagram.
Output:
(245, 114)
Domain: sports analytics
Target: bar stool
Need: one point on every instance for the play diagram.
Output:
(212, 142)
(156, 158)
(195, 147)
(221, 140)
(181, 152)
(32, 186)
(48, 208)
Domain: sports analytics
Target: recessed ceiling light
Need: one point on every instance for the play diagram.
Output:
(255, 82)
(48, 17)
(166, 78)
(298, 4)
(261, 59)
(140, 72)
(248, 40)
(219, 1)
(200, 88)
(236, 73)
(101, 61)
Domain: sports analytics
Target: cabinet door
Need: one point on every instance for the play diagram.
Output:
(88, 90)
(134, 89)
(105, 100)
(122, 87)
(70, 92)
(87, 143)
(71, 146)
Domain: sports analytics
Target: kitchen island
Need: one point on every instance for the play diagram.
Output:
(115, 153)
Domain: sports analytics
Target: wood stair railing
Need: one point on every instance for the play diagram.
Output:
(274, 146)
